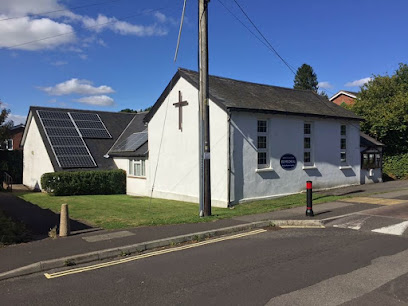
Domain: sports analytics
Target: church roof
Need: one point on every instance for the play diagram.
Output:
(133, 141)
(114, 122)
(238, 95)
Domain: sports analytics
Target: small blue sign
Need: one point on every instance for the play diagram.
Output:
(288, 162)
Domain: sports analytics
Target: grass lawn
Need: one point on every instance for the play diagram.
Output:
(122, 211)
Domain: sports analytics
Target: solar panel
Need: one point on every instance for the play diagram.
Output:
(132, 143)
(85, 116)
(66, 142)
(90, 125)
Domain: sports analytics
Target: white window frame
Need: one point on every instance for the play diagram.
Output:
(343, 151)
(132, 167)
(309, 150)
(262, 150)
(9, 144)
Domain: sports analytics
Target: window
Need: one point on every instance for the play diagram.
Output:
(307, 144)
(262, 144)
(370, 160)
(343, 144)
(137, 168)
(9, 144)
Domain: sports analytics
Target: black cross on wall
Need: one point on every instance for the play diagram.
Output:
(180, 104)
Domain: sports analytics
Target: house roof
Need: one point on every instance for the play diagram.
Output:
(18, 126)
(351, 94)
(136, 126)
(235, 95)
(114, 122)
(368, 141)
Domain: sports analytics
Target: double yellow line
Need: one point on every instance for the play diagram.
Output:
(151, 254)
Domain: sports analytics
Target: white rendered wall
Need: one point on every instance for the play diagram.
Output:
(177, 175)
(285, 135)
(36, 161)
(136, 186)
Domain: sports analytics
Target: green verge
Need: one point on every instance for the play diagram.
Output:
(11, 232)
(123, 211)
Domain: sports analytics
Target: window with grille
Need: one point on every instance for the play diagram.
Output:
(343, 144)
(307, 144)
(262, 144)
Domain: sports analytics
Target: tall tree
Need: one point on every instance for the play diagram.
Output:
(305, 78)
(383, 103)
(4, 126)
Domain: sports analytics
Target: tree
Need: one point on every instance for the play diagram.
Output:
(305, 78)
(4, 126)
(128, 110)
(383, 103)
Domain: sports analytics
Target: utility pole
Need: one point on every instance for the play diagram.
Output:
(204, 116)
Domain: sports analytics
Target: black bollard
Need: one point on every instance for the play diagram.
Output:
(309, 204)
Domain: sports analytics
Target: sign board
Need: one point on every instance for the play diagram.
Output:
(288, 162)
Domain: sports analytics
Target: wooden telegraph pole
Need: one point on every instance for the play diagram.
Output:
(205, 177)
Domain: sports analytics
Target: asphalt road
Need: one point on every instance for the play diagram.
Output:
(329, 266)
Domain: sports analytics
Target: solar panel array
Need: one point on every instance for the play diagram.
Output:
(132, 143)
(69, 148)
(90, 125)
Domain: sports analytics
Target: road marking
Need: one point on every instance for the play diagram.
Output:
(151, 254)
(354, 225)
(396, 229)
(375, 201)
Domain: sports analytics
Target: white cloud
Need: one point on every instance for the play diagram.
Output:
(102, 100)
(17, 119)
(160, 17)
(59, 63)
(358, 83)
(22, 30)
(76, 86)
(15, 8)
(325, 85)
(121, 27)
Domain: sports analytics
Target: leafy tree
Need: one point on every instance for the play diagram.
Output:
(4, 126)
(305, 78)
(128, 110)
(148, 109)
(383, 103)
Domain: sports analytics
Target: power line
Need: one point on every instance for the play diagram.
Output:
(266, 40)
(89, 27)
(61, 10)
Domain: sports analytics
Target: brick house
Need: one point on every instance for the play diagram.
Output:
(16, 134)
(346, 97)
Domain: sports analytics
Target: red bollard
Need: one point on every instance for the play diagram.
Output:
(309, 204)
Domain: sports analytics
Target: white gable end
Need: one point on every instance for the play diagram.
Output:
(174, 153)
(36, 161)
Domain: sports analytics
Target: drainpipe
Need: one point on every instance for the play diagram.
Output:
(229, 159)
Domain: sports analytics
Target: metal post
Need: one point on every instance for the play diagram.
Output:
(309, 200)
(204, 105)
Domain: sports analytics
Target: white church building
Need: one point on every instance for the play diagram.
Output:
(266, 141)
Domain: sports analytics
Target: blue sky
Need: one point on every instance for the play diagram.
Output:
(120, 54)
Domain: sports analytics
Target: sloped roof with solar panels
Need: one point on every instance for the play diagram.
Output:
(80, 139)
(133, 141)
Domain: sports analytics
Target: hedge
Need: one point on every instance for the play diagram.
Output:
(84, 182)
(396, 166)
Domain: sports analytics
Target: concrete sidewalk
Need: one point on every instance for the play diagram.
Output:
(86, 240)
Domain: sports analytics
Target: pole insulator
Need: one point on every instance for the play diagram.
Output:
(309, 199)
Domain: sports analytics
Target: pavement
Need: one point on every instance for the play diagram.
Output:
(88, 244)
